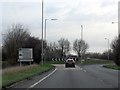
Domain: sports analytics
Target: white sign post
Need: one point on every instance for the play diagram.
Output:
(25, 55)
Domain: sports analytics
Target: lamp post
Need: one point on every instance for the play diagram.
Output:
(46, 28)
(108, 47)
(118, 27)
(45, 35)
(42, 34)
(114, 22)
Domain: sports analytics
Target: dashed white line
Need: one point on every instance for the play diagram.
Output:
(42, 79)
(84, 70)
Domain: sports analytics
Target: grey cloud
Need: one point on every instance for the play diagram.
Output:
(106, 3)
(70, 17)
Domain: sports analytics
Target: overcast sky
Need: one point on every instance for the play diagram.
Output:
(95, 16)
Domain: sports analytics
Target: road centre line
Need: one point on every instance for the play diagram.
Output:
(42, 79)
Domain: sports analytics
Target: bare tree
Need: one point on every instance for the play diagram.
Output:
(15, 38)
(80, 47)
(53, 51)
(116, 50)
(64, 46)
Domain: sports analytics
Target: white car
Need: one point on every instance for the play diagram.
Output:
(70, 63)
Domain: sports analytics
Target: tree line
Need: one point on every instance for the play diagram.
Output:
(18, 36)
(103, 56)
(114, 52)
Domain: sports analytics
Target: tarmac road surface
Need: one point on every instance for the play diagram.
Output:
(89, 76)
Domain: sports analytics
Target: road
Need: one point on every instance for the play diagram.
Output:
(90, 76)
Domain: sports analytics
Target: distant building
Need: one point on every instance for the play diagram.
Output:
(119, 17)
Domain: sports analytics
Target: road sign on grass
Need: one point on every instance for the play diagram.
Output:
(25, 55)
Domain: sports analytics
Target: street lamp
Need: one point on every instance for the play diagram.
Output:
(118, 27)
(108, 46)
(54, 19)
(45, 27)
(42, 34)
(114, 22)
(45, 34)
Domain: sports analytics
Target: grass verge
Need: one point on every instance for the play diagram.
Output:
(88, 62)
(10, 77)
(111, 66)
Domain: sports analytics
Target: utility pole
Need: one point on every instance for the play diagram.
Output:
(42, 35)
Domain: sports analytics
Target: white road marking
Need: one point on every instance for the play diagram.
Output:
(42, 79)
(84, 70)
(62, 67)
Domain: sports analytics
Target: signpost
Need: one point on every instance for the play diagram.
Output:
(25, 55)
